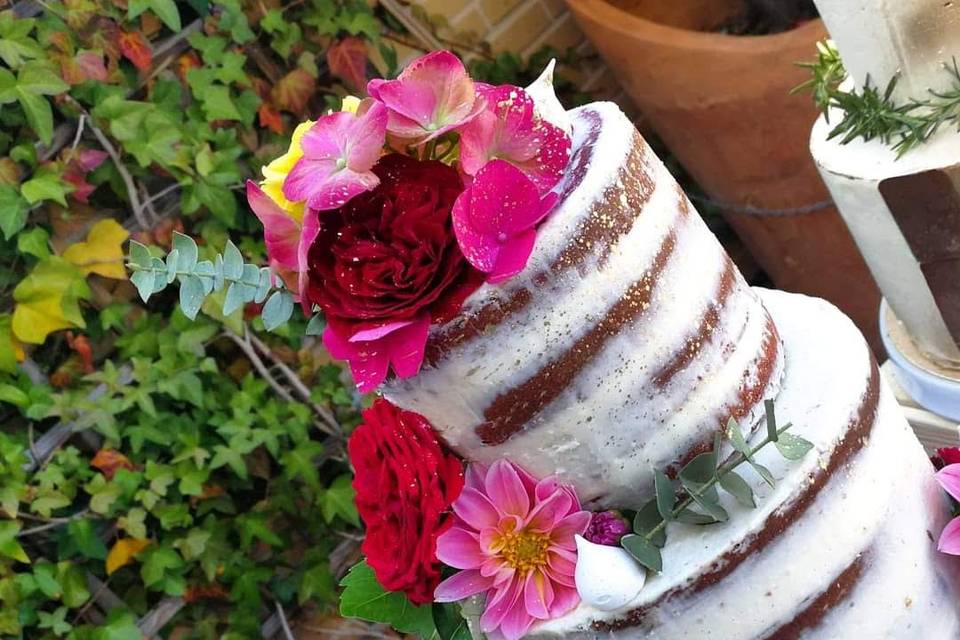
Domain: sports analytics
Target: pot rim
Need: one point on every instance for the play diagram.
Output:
(634, 27)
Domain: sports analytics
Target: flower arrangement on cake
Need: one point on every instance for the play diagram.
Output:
(380, 220)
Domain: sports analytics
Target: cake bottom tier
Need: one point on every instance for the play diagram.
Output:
(843, 546)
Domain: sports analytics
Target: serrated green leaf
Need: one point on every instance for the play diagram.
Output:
(734, 484)
(338, 500)
(191, 295)
(45, 185)
(642, 551)
(277, 310)
(364, 598)
(664, 493)
(13, 211)
(9, 546)
(186, 251)
(793, 447)
(39, 114)
(166, 10)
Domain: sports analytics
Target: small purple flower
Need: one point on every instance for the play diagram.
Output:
(607, 527)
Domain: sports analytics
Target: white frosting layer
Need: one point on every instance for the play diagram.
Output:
(881, 504)
(612, 410)
(883, 38)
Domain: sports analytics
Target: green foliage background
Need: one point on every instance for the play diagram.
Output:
(220, 453)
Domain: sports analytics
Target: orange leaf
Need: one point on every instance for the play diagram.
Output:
(122, 552)
(270, 118)
(81, 345)
(109, 461)
(293, 91)
(185, 62)
(136, 49)
(347, 60)
(205, 592)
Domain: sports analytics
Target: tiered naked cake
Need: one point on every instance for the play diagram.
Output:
(627, 341)
(904, 212)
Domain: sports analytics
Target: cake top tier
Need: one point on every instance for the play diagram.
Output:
(880, 39)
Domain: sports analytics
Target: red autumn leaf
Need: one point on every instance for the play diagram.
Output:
(91, 64)
(347, 60)
(213, 591)
(293, 91)
(81, 345)
(136, 49)
(109, 461)
(270, 118)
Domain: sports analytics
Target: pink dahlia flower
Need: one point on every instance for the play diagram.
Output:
(495, 220)
(509, 128)
(432, 95)
(949, 479)
(513, 538)
(339, 152)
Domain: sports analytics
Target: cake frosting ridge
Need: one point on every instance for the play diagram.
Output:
(629, 313)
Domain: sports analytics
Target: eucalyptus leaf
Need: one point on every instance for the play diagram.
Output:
(646, 520)
(160, 278)
(643, 551)
(772, 434)
(218, 280)
(793, 447)
(277, 310)
(734, 484)
(235, 298)
(711, 508)
(191, 295)
(266, 283)
(173, 258)
(250, 276)
(735, 435)
(689, 516)
(763, 472)
(186, 249)
(144, 282)
(316, 325)
(139, 255)
(232, 262)
(665, 494)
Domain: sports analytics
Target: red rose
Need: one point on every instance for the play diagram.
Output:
(390, 253)
(405, 484)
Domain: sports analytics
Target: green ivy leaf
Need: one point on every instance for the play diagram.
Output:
(13, 211)
(364, 598)
(9, 546)
(338, 500)
(298, 462)
(73, 581)
(35, 242)
(82, 538)
(16, 45)
(45, 185)
(166, 10)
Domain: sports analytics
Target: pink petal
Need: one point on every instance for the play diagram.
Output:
(506, 490)
(367, 135)
(503, 601)
(327, 138)
(407, 347)
(477, 142)
(380, 331)
(949, 479)
(516, 623)
(475, 509)
(480, 249)
(281, 232)
(950, 538)
(323, 186)
(562, 566)
(368, 360)
(538, 595)
(476, 473)
(308, 233)
(90, 159)
(459, 549)
(574, 524)
(461, 585)
(306, 177)
(547, 513)
(513, 257)
(565, 598)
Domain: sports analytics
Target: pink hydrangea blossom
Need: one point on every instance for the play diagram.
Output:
(370, 352)
(287, 240)
(495, 219)
(510, 128)
(433, 95)
(339, 152)
(513, 539)
(949, 479)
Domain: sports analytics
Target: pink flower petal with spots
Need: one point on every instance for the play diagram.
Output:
(509, 128)
(433, 95)
(339, 152)
(461, 585)
(371, 352)
(308, 233)
(505, 489)
(538, 595)
(949, 479)
(281, 232)
(460, 549)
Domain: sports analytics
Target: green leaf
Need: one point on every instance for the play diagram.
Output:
(735, 485)
(9, 547)
(73, 580)
(39, 114)
(191, 295)
(39, 79)
(12, 395)
(83, 539)
(171, 263)
(55, 622)
(689, 516)
(139, 254)
(35, 242)
(338, 500)
(771, 420)
(793, 447)
(45, 185)
(166, 10)
(186, 251)
(13, 211)
(763, 472)
(665, 494)
(449, 623)
(698, 472)
(299, 462)
(710, 506)
(316, 325)
(145, 282)
(157, 562)
(232, 262)
(364, 598)
(277, 311)
(646, 520)
(217, 103)
(735, 435)
(642, 551)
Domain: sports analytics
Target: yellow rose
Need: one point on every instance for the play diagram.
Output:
(276, 172)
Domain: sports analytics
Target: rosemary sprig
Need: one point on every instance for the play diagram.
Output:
(698, 481)
(871, 113)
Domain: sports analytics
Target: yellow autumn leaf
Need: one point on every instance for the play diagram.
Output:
(48, 300)
(102, 251)
(122, 552)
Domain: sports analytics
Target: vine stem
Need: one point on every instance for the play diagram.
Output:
(722, 470)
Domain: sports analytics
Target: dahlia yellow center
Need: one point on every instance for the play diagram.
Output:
(523, 550)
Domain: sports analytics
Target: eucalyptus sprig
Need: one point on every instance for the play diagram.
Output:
(696, 500)
(871, 112)
(198, 279)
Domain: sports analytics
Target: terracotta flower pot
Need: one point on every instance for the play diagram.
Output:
(722, 104)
